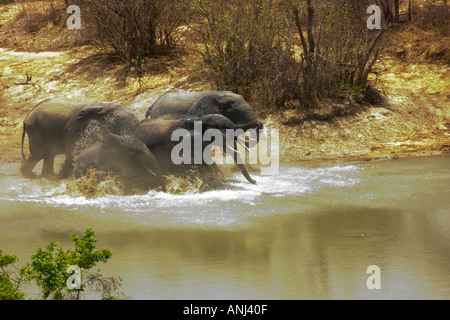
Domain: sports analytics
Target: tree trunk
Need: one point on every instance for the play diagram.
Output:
(409, 10)
(386, 6)
(396, 11)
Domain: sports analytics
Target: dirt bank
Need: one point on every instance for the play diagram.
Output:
(413, 120)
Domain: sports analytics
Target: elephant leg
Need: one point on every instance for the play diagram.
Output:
(152, 164)
(67, 168)
(79, 172)
(26, 169)
(47, 168)
(162, 183)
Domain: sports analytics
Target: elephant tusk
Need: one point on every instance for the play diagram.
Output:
(233, 149)
(152, 173)
(243, 144)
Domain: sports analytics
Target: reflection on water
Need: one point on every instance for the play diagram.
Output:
(310, 232)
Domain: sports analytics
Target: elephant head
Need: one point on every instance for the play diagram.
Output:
(226, 135)
(197, 104)
(126, 158)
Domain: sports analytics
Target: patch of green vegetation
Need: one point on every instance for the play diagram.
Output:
(49, 269)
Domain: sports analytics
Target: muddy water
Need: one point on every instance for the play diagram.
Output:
(309, 232)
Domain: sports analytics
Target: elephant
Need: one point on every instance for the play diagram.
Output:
(45, 126)
(128, 159)
(225, 103)
(90, 124)
(158, 136)
(61, 127)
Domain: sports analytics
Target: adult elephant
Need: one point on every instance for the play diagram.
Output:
(61, 127)
(45, 126)
(125, 158)
(225, 103)
(90, 124)
(162, 135)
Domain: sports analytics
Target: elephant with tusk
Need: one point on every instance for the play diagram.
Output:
(162, 136)
(225, 103)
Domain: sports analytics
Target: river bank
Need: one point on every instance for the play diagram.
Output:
(413, 119)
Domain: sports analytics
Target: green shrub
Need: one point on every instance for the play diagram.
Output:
(48, 268)
(8, 286)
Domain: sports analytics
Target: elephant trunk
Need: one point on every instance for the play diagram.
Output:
(152, 166)
(245, 173)
(249, 141)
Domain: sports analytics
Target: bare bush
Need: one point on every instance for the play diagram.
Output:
(135, 29)
(274, 52)
(33, 16)
(244, 47)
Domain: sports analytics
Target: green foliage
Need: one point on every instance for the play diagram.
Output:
(6, 260)
(48, 268)
(8, 289)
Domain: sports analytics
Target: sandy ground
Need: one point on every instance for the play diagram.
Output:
(414, 119)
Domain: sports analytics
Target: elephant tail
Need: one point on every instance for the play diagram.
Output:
(23, 139)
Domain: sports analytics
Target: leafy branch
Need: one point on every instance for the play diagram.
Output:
(48, 269)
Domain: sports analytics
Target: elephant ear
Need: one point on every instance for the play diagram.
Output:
(217, 121)
(97, 110)
(188, 123)
(89, 112)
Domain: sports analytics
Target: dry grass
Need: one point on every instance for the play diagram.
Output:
(36, 26)
(34, 16)
(425, 39)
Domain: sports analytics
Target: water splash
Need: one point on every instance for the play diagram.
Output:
(288, 181)
(294, 189)
(94, 184)
(176, 185)
(187, 202)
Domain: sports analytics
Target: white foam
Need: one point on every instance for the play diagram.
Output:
(231, 205)
(288, 181)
